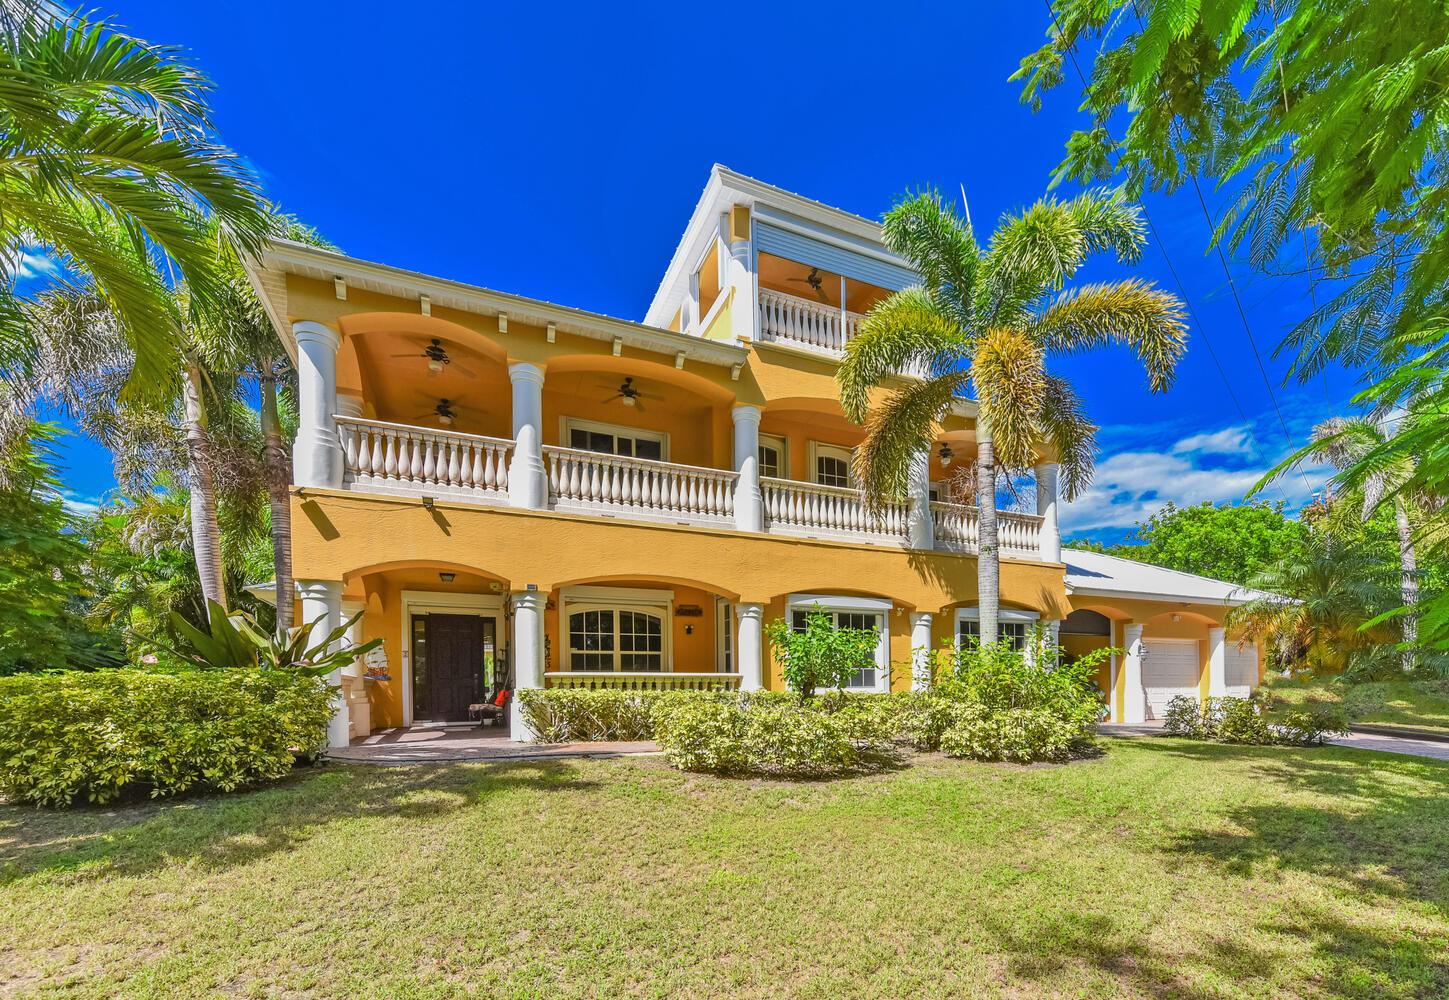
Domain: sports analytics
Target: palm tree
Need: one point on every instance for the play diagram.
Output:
(989, 319)
(1360, 449)
(107, 165)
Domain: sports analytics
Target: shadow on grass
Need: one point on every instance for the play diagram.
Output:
(221, 831)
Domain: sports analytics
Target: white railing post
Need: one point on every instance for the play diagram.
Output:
(922, 532)
(316, 454)
(749, 515)
(750, 645)
(526, 487)
(322, 603)
(1050, 543)
(527, 652)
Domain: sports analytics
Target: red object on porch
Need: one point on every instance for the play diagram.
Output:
(502, 697)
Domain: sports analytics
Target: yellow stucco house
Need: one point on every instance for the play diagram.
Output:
(520, 493)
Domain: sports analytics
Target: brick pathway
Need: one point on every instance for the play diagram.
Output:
(434, 744)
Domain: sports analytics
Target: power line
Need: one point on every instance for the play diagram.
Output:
(1182, 290)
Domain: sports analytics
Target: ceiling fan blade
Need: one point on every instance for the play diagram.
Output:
(617, 395)
(409, 355)
(821, 293)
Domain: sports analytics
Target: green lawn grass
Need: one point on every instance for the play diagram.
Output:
(1421, 704)
(1162, 869)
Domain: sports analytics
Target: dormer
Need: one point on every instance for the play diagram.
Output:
(758, 264)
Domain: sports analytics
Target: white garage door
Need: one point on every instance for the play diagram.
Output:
(1170, 669)
(1242, 669)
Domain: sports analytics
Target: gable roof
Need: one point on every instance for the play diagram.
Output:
(1098, 574)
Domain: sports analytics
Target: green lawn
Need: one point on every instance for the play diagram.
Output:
(1417, 704)
(1161, 869)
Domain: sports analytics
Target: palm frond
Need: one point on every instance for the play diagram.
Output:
(906, 330)
(1008, 376)
(1063, 422)
(1131, 312)
(939, 244)
(898, 429)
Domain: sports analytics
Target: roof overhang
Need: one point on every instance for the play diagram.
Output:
(268, 274)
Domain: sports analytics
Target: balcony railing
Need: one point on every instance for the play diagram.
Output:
(958, 529)
(830, 511)
(395, 458)
(640, 680)
(403, 460)
(789, 319)
(587, 481)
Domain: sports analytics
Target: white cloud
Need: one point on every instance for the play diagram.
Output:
(1228, 441)
(27, 265)
(81, 506)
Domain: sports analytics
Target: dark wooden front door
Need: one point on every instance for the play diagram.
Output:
(450, 674)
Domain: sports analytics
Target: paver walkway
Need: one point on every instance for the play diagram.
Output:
(1359, 741)
(428, 744)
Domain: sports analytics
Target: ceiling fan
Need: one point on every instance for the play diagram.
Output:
(816, 281)
(445, 410)
(437, 356)
(628, 393)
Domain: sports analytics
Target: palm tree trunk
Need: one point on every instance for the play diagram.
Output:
(1408, 581)
(988, 559)
(205, 530)
(279, 481)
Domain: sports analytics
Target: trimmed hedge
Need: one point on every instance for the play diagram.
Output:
(95, 736)
(578, 715)
(1245, 720)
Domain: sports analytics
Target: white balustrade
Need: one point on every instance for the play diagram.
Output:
(640, 680)
(823, 511)
(792, 320)
(397, 458)
(958, 529)
(586, 480)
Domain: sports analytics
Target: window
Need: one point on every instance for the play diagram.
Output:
(830, 464)
(724, 636)
(1011, 625)
(866, 678)
(616, 628)
(940, 493)
(773, 461)
(606, 440)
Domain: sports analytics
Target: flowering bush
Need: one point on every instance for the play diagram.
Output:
(98, 735)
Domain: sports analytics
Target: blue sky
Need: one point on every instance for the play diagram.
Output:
(555, 150)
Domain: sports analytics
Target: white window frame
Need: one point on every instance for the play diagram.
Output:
(724, 637)
(819, 450)
(782, 445)
(942, 488)
(1003, 615)
(570, 424)
(655, 602)
(851, 605)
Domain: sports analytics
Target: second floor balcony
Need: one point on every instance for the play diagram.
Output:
(392, 459)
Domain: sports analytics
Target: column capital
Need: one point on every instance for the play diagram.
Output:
(523, 371)
(745, 413)
(319, 590)
(922, 617)
(751, 612)
(307, 331)
(349, 405)
(533, 600)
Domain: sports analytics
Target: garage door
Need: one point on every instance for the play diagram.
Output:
(1170, 669)
(1242, 669)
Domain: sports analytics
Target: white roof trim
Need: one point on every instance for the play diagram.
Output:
(1096, 574)
(283, 257)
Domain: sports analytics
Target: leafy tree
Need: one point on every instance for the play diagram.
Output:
(988, 318)
(1326, 121)
(107, 163)
(821, 655)
(42, 575)
(1232, 543)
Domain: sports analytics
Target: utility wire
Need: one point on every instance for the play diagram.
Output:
(1182, 290)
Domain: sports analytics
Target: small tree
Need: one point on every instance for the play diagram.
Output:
(821, 655)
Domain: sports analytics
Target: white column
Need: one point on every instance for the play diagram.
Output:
(359, 709)
(527, 653)
(922, 531)
(750, 645)
(348, 405)
(322, 603)
(920, 650)
(1047, 475)
(527, 483)
(1134, 696)
(317, 454)
(749, 514)
(745, 310)
(1217, 662)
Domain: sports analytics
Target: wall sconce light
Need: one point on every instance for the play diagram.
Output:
(945, 454)
(689, 630)
(446, 577)
(1177, 618)
(428, 504)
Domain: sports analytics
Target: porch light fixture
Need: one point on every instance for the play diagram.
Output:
(446, 577)
(945, 453)
(428, 504)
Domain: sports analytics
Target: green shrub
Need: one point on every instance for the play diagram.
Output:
(1022, 735)
(770, 732)
(1312, 726)
(820, 655)
(576, 715)
(1187, 717)
(1246, 720)
(1240, 720)
(98, 735)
